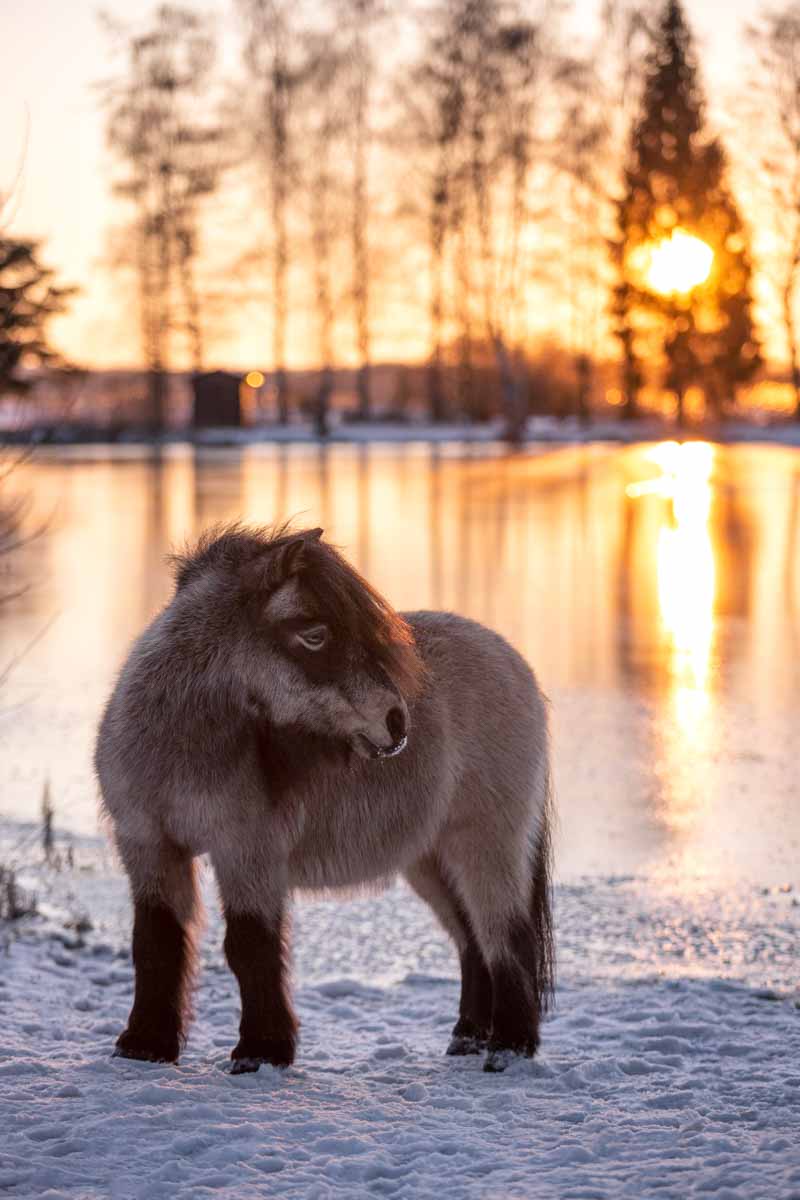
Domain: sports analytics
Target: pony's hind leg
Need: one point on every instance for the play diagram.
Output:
(471, 1031)
(163, 885)
(508, 908)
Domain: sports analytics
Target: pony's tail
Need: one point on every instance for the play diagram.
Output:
(542, 907)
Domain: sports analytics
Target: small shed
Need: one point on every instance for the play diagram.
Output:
(216, 400)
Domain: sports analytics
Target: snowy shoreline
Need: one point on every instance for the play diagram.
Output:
(489, 435)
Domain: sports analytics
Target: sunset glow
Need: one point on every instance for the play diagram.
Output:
(676, 264)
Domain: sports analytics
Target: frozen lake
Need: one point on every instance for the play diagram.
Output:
(655, 589)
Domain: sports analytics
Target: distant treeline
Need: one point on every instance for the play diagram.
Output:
(117, 403)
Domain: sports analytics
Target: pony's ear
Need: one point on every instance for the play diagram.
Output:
(289, 559)
(281, 562)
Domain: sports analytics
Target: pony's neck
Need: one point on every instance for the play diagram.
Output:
(291, 756)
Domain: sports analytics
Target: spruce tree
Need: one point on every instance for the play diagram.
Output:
(732, 352)
(28, 299)
(675, 177)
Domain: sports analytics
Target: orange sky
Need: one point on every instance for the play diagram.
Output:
(51, 53)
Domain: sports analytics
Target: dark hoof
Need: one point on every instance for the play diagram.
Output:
(275, 1052)
(461, 1044)
(500, 1056)
(497, 1061)
(156, 1048)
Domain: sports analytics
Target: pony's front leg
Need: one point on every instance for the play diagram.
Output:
(166, 909)
(253, 895)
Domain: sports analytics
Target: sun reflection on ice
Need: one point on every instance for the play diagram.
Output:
(686, 586)
(687, 576)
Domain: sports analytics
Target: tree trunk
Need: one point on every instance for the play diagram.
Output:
(361, 280)
(324, 393)
(282, 395)
(791, 339)
(466, 373)
(363, 391)
(192, 304)
(280, 304)
(435, 386)
(682, 365)
(321, 242)
(157, 392)
(280, 165)
(680, 405)
(150, 319)
(162, 332)
(511, 393)
(436, 405)
(630, 378)
(584, 373)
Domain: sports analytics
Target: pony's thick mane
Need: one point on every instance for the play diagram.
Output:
(343, 595)
(226, 545)
(355, 605)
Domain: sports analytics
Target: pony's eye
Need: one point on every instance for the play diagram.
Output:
(314, 638)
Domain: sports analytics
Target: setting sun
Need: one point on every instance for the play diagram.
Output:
(676, 264)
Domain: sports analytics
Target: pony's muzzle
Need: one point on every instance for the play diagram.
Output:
(388, 741)
(394, 750)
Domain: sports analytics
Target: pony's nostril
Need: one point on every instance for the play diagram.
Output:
(396, 724)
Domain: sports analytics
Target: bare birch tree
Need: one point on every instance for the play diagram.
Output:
(504, 61)
(431, 114)
(775, 109)
(323, 125)
(476, 104)
(360, 20)
(271, 55)
(620, 57)
(583, 157)
(170, 159)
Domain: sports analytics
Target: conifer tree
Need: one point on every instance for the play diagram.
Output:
(732, 350)
(29, 298)
(676, 179)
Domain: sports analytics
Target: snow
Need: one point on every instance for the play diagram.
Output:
(670, 1067)
(488, 436)
(539, 430)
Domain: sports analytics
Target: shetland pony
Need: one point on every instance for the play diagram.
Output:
(279, 716)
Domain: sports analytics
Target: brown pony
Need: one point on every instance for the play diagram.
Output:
(279, 716)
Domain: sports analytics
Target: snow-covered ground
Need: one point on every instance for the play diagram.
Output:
(670, 1067)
